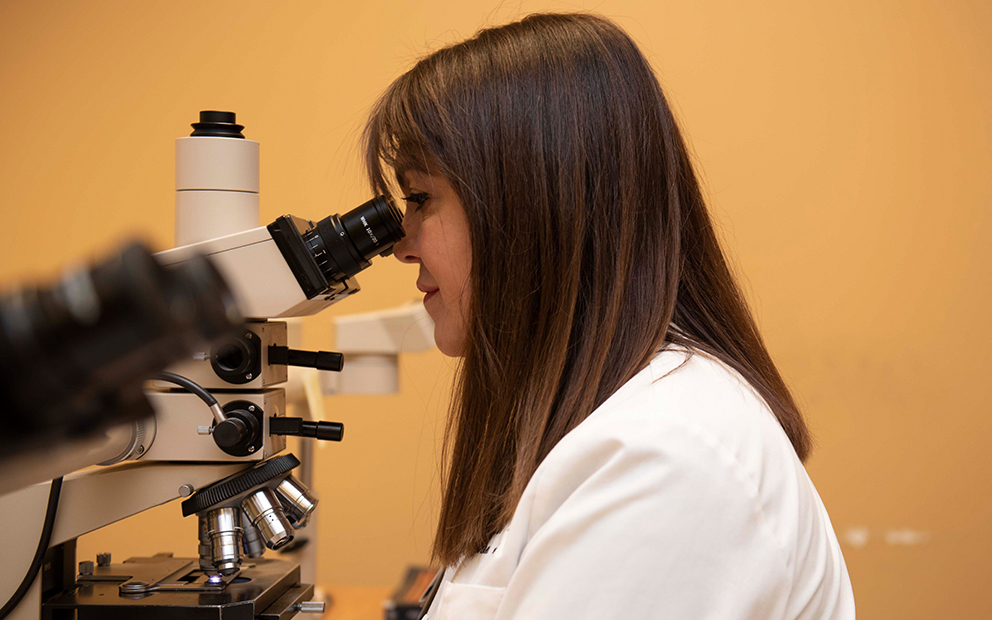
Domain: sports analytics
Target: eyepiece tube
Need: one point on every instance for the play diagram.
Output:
(345, 244)
(206, 554)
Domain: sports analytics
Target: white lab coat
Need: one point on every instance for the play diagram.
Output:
(680, 497)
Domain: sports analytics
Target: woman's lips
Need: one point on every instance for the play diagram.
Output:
(428, 289)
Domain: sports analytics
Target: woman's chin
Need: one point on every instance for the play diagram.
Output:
(446, 344)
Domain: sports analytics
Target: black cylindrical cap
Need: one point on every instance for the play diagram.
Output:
(327, 431)
(230, 433)
(321, 360)
(217, 124)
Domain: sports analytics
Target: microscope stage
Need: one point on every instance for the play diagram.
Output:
(166, 588)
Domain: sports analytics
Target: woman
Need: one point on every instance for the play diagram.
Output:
(621, 444)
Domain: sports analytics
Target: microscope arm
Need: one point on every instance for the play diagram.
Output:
(91, 499)
(41, 467)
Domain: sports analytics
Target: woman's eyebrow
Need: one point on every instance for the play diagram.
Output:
(405, 171)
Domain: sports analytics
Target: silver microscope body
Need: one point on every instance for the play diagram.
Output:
(218, 434)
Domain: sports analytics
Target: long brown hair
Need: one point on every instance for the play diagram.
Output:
(591, 244)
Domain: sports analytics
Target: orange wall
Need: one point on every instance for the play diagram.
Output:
(847, 154)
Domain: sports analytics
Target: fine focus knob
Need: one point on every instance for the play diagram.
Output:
(328, 431)
(321, 360)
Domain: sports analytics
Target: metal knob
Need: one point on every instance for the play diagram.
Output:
(310, 607)
(103, 559)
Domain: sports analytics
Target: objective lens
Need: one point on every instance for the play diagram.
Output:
(225, 533)
(264, 512)
(297, 501)
(343, 245)
(254, 546)
(206, 555)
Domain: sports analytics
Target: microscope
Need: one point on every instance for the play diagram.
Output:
(218, 435)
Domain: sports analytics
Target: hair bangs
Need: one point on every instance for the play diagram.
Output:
(396, 138)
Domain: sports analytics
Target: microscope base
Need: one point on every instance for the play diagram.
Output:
(176, 589)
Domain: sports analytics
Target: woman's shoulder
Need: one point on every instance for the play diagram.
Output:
(662, 495)
(686, 411)
(696, 393)
(688, 429)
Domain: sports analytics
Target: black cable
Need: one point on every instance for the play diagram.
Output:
(39, 555)
(53, 503)
(190, 386)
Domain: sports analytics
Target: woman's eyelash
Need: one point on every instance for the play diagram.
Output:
(418, 197)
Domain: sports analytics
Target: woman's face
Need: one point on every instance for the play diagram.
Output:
(437, 239)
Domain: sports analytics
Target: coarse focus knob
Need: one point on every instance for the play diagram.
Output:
(230, 433)
(241, 433)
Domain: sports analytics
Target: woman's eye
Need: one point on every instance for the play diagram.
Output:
(417, 198)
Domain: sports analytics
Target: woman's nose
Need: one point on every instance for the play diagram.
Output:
(405, 249)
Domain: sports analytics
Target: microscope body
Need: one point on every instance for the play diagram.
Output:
(227, 459)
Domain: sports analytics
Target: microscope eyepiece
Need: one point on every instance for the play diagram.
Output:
(322, 256)
(343, 245)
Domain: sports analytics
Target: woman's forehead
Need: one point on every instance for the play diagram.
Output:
(409, 177)
(407, 174)
(410, 168)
